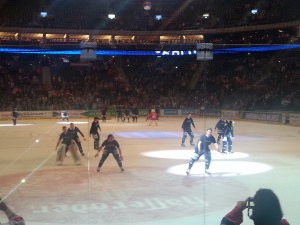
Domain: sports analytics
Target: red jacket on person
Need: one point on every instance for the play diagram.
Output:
(235, 217)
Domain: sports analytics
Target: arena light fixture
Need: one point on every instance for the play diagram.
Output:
(254, 11)
(205, 15)
(111, 16)
(147, 5)
(43, 14)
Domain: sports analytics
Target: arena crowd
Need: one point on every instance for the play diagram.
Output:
(251, 81)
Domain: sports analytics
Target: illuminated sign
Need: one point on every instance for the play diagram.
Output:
(155, 53)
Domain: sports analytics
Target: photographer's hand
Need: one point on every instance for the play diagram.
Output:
(242, 204)
(236, 215)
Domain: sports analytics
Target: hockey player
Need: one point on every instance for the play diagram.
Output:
(148, 115)
(135, 114)
(111, 146)
(15, 116)
(64, 115)
(219, 127)
(66, 141)
(94, 131)
(202, 148)
(103, 111)
(157, 112)
(186, 128)
(119, 115)
(227, 137)
(153, 116)
(126, 115)
(73, 130)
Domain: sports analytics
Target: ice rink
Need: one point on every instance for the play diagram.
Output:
(154, 189)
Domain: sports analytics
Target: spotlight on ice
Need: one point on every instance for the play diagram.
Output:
(37, 140)
(23, 181)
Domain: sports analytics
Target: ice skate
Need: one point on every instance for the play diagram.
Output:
(188, 171)
(207, 172)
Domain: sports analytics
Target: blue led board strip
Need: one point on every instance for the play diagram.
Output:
(155, 53)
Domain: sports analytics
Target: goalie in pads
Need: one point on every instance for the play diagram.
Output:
(66, 142)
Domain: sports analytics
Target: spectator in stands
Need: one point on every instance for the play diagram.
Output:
(265, 211)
